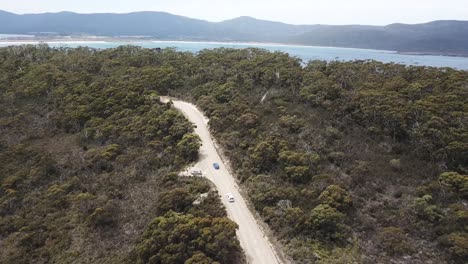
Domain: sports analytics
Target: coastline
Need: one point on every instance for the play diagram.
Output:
(304, 52)
(143, 39)
(36, 42)
(268, 44)
(136, 40)
(457, 55)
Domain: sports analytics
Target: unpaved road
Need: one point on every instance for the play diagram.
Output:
(252, 239)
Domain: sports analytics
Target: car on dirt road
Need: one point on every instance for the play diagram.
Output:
(196, 172)
(216, 166)
(230, 197)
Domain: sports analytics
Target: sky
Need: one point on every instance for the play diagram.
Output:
(334, 12)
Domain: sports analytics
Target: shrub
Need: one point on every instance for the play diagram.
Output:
(457, 245)
(200, 258)
(393, 240)
(265, 155)
(292, 123)
(455, 220)
(287, 221)
(248, 120)
(299, 174)
(336, 156)
(327, 221)
(188, 147)
(84, 202)
(336, 197)
(177, 199)
(332, 133)
(176, 238)
(111, 152)
(395, 164)
(426, 210)
(456, 183)
(100, 217)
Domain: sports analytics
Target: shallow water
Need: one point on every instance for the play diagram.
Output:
(305, 53)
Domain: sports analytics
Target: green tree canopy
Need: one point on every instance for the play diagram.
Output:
(176, 238)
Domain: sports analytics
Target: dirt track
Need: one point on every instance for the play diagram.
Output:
(252, 239)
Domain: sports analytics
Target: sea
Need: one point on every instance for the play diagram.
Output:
(305, 53)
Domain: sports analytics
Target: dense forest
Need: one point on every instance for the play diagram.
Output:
(347, 162)
(89, 163)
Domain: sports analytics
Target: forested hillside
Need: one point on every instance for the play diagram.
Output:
(347, 162)
(88, 166)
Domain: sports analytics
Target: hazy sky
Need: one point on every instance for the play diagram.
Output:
(374, 12)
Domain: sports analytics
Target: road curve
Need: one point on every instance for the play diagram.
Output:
(252, 239)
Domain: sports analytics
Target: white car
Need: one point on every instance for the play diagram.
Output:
(196, 172)
(230, 197)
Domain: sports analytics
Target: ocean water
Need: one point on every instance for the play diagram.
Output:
(9, 36)
(305, 53)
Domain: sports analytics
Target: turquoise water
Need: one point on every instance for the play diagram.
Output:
(305, 53)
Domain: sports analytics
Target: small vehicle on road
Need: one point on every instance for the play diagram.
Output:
(196, 172)
(216, 166)
(230, 197)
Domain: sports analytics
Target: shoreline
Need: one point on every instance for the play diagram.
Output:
(269, 44)
(110, 40)
(455, 55)
(66, 40)
(36, 42)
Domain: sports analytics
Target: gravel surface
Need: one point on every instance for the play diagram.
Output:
(252, 239)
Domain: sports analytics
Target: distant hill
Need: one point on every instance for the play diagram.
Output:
(437, 37)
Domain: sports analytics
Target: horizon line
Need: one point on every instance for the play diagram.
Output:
(242, 16)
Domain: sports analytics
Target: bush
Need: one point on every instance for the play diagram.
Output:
(426, 210)
(393, 240)
(298, 174)
(395, 164)
(292, 123)
(177, 199)
(111, 152)
(336, 157)
(327, 221)
(286, 222)
(332, 133)
(176, 238)
(200, 258)
(456, 183)
(248, 120)
(336, 197)
(457, 245)
(188, 147)
(100, 217)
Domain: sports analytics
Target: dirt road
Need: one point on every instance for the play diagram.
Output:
(252, 239)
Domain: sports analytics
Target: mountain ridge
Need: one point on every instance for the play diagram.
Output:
(444, 37)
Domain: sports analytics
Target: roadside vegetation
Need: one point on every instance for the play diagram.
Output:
(358, 161)
(88, 167)
(345, 161)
